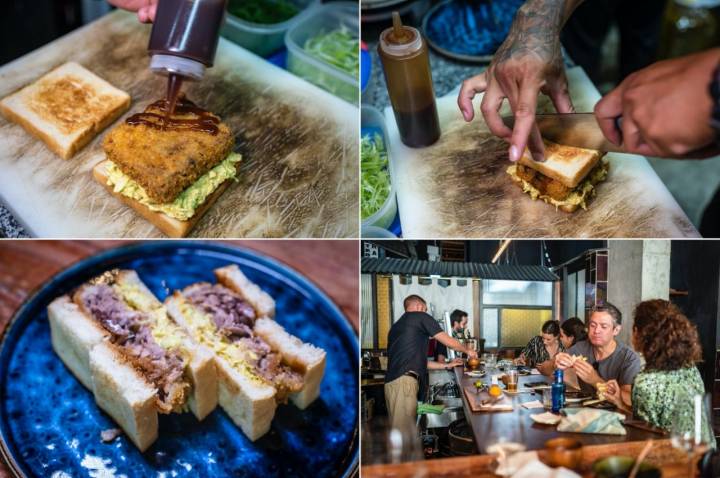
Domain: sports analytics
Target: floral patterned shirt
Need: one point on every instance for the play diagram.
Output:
(657, 395)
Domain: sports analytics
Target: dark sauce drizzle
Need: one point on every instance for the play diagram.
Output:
(204, 121)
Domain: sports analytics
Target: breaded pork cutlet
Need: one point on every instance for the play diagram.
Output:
(167, 161)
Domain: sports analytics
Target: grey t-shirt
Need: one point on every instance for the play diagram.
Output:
(622, 365)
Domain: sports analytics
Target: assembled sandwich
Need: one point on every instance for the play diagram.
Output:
(258, 363)
(567, 178)
(117, 339)
(170, 168)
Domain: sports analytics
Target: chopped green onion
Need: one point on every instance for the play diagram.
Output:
(375, 177)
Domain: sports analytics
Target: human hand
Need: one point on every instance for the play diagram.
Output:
(612, 392)
(665, 108)
(520, 360)
(528, 62)
(564, 361)
(145, 9)
(455, 363)
(586, 372)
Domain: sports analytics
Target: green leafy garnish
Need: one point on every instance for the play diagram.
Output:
(375, 181)
(340, 48)
(263, 11)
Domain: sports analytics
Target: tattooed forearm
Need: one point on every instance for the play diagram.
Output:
(536, 30)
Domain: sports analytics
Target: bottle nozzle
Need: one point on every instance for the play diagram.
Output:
(397, 25)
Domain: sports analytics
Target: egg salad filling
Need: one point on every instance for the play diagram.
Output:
(205, 332)
(185, 205)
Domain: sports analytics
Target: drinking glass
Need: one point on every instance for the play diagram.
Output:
(690, 425)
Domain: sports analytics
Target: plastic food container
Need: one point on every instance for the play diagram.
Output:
(372, 121)
(323, 19)
(259, 38)
(376, 233)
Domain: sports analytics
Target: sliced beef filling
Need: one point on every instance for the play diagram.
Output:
(268, 364)
(127, 328)
(234, 319)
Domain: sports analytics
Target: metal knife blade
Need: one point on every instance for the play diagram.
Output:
(580, 130)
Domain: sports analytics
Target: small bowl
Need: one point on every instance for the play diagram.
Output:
(620, 467)
(564, 452)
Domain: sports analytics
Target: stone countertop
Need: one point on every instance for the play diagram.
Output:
(9, 227)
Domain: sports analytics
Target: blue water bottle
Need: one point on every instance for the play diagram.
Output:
(558, 392)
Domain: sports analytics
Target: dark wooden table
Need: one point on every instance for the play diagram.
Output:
(25, 265)
(517, 426)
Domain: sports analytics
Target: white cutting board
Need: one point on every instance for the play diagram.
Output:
(458, 187)
(299, 144)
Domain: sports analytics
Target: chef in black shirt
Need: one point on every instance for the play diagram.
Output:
(406, 377)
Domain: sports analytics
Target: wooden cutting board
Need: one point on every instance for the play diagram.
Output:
(298, 176)
(475, 401)
(458, 187)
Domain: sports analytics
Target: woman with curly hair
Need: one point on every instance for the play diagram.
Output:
(669, 343)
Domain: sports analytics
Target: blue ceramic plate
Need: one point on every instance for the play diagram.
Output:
(50, 425)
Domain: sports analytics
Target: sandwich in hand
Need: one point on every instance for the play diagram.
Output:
(117, 339)
(258, 363)
(170, 168)
(566, 179)
(66, 108)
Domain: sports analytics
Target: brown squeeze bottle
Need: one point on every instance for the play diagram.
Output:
(184, 40)
(405, 61)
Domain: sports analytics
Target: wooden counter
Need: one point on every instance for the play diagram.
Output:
(517, 426)
(671, 462)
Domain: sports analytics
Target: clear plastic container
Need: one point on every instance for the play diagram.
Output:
(376, 233)
(263, 39)
(323, 19)
(372, 120)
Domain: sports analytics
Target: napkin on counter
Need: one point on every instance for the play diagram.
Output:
(590, 420)
(533, 404)
(535, 371)
(537, 469)
(424, 408)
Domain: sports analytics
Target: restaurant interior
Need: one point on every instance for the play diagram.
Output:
(510, 290)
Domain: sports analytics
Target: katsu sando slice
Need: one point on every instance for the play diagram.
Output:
(298, 355)
(259, 364)
(170, 173)
(116, 337)
(66, 108)
(567, 178)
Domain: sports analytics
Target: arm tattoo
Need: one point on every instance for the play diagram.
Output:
(536, 29)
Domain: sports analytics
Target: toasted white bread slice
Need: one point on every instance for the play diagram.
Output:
(250, 403)
(66, 108)
(233, 278)
(298, 355)
(73, 335)
(567, 164)
(200, 368)
(124, 394)
(168, 225)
